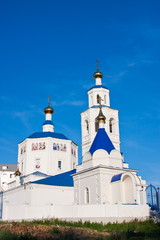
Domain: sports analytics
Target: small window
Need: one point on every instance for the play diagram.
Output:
(111, 125)
(86, 195)
(38, 164)
(105, 99)
(87, 126)
(59, 164)
(98, 98)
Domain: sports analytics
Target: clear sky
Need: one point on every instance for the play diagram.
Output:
(49, 48)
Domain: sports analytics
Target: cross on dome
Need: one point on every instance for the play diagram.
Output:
(97, 74)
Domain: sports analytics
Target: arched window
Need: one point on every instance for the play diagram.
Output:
(87, 126)
(86, 195)
(111, 125)
(98, 98)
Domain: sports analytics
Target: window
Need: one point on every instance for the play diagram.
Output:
(59, 164)
(104, 99)
(37, 163)
(98, 98)
(87, 126)
(86, 195)
(111, 125)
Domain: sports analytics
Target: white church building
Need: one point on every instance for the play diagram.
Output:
(49, 183)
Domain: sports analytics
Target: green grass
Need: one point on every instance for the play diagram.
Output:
(134, 230)
(7, 235)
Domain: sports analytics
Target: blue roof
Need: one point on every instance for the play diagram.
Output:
(116, 177)
(47, 134)
(64, 179)
(97, 86)
(48, 122)
(101, 141)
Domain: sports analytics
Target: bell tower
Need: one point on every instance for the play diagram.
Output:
(89, 123)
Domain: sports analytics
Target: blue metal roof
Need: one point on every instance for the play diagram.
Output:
(47, 134)
(101, 141)
(64, 179)
(116, 177)
(97, 86)
(48, 122)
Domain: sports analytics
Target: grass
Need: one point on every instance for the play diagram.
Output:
(134, 230)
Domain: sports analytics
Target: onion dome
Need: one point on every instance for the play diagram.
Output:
(101, 117)
(17, 173)
(49, 110)
(97, 74)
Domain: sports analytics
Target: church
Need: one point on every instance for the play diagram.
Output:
(49, 182)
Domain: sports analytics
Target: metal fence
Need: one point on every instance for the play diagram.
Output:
(153, 197)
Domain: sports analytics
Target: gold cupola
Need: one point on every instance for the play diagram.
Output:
(17, 173)
(49, 109)
(97, 74)
(101, 118)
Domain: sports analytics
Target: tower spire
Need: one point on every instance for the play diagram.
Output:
(98, 75)
(48, 125)
(97, 66)
(49, 98)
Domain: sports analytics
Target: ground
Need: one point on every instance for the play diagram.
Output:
(62, 230)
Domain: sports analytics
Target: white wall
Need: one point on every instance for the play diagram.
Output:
(46, 160)
(34, 201)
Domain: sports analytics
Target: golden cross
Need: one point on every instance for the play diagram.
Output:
(49, 101)
(97, 66)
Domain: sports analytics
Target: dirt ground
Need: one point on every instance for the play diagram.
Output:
(43, 232)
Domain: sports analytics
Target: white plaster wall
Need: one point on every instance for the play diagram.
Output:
(34, 201)
(48, 157)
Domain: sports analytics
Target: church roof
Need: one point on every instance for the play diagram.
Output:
(48, 134)
(97, 86)
(48, 122)
(63, 179)
(116, 177)
(101, 141)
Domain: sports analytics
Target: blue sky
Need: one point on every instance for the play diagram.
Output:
(49, 48)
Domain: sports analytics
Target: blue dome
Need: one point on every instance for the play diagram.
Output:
(101, 141)
(48, 134)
